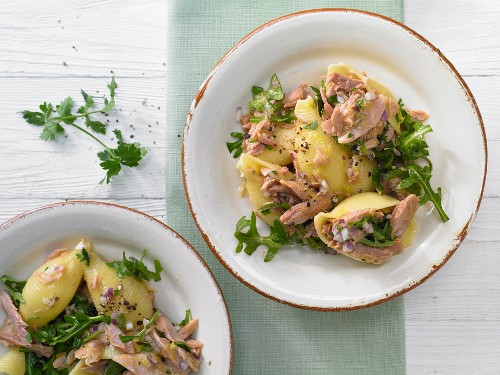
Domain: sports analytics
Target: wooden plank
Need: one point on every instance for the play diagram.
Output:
(468, 33)
(83, 38)
(68, 167)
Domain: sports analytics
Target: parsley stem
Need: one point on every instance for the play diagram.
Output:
(108, 150)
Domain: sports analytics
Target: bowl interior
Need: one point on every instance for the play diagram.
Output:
(186, 281)
(299, 49)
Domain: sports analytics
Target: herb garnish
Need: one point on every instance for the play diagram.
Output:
(14, 288)
(140, 336)
(312, 126)
(83, 257)
(136, 268)
(267, 101)
(186, 319)
(382, 235)
(236, 146)
(183, 345)
(321, 105)
(114, 369)
(415, 174)
(52, 120)
(266, 208)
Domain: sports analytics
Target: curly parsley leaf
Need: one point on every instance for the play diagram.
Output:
(15, 289)
(136, 268)
(267, 101)
(53, 122)
(250, 240)
(83, 257)
(237, 145)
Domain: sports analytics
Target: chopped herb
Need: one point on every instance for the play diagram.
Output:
(382, 235)
(114, 369)
(266, 209)
(186, 319)
(83, 257)
(122, 322)
(140, 336)
(14, 288)
(312, 126)
(52, 122)
(360, 104)
(136, 268)
(350, 135)
(183, 345)
(332, 100)
(236, 146)
(319, 100)
(263, 100)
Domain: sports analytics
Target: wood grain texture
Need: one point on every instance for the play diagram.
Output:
(452, 320)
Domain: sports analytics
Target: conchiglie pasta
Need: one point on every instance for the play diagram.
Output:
(280, 154)
(78, 369)
(362, 168)
(363, 201)
(370, 83)
(307, 111)
(50, 289)
(251, 167)
(110, 352)
(112, 294)
(13, 362)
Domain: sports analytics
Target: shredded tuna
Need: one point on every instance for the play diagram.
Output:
(403, 213)
(339, 82)
(189, 328)
(327, 109)
(13, 330)
(304, 211)
(144, 364)
(91, 352)
(98, 368)
(297, 188)
(51, 274)
(320, 159)
(113, 333)
(300, 93)
(417, 114)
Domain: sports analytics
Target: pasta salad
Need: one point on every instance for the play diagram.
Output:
(341, 167)
(77, 314)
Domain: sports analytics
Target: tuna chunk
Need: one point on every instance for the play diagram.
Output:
(403, 213)
(113, 332)
(98, 368)
(299, 93)
(375, 255)
(304, 211)
(342, 83)
(13, 330)
(297, 188)
(417, 114)
(189, 328)
(91, 352)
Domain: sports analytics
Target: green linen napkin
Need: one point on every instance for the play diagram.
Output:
(269, 338)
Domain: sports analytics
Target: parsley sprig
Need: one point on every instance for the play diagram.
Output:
(136, 268)
(237, 145)
(83, 257)
(53, 118)
(139, 337)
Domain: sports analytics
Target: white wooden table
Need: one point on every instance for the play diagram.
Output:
(50, 49)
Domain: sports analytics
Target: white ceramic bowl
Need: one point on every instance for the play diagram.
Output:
(298, 48)
(27, 239)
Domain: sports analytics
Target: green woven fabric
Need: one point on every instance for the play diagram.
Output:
(269, 338)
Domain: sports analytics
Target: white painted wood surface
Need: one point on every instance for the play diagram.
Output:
(53, 48)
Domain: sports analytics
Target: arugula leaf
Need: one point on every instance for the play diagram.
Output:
(183, 345)
(236, 146)
(15, 289)
(140, 336)
(122, 322)
(319, 100)
(136, 268)
(250, 240)
(83, 257)
(112, 159)
(421, 176)
(186, 319)
(312, 126)
(114, 369)
(332, 100)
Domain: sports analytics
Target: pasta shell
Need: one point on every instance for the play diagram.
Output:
(109, 293)
(13, 362)
(50, 289)
(360, 202)
(251, 168)
(307, 111)
(280, 154)
(78, 369)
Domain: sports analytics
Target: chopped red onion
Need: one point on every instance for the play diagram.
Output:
(345, 234)
(384, 116)
(369, 96)
(183, 365)
(371, 155)
(110, 292)
(94, 328)
(335, 230)
(347, 247)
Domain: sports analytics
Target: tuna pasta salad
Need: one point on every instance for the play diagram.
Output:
(78, 315)
(342, 167)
